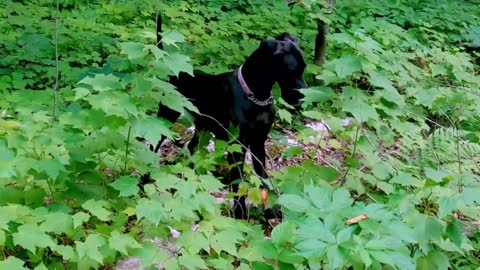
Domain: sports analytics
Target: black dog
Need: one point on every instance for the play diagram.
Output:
(244, 98)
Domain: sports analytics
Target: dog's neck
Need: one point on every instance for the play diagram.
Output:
(260, 82)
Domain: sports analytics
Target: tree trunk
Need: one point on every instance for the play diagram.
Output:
(158, 21)
(321, 43)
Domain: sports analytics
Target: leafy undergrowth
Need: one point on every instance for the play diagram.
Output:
(393, 187)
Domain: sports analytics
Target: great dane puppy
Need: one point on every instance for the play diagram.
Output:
(244, 98)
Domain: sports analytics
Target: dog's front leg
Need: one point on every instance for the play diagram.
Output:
(257, 148)
(236, 173)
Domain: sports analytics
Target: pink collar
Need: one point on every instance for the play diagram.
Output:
(242, 82)
(249, 92)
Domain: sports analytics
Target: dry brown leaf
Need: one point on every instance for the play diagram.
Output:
(356, 219)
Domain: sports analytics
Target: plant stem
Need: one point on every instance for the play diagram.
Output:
(344, 178)
(126, 148)
(55, 86)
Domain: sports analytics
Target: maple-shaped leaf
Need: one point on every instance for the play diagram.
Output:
(285, 115)
(30, 236)
(191, 261)
(90, 248)
(97, 208)
(194, 241)
(52, 167)
(100, 82)
(361, 110)
(170, 38)
(121, 242)
(177, 63)
(226, 240)
(57, 223)
(283, 234)
(210, 183)
(152, 128)
(114, 103)
(79, 218)
(172, 98)
(67, 252)
(318, 94)
(133, 50)
(151, 210)
(159, 54)
(347, 65)
(126, 185)
(12, 263)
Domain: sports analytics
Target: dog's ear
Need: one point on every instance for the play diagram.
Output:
(287, 37)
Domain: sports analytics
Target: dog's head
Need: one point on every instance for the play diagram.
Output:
(286, 66)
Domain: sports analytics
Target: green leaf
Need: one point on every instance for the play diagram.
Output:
(475, 35)
(347, 65)
(159, 54)
(101, 82)
(30, 236)
(326, 173)
(190, 261)
(210, 183)
(318, 94)
(91, 248)
(114, 103)
(150, 254)
(126, 185)
(429, 230)
(170, 38)
(361, 110)
(41, 266)
(151, 210)
(172, 98)
(97, 208)
(152, 128)
(336, 258)
(313, 238)
(2, 238)
(178, 63)
(57, 223)
(52, 167)
(194, 241)
(7, 157)
(67, 252)
(12, 263)
(226, 241)
(435, 175)
(446, 204)
(121, 242)
(133, 50)
(285, 115)
(313, 114)
(386, 243)
(79, 218)
(254, 195)
(283, 233)
(405, 179)
(394, 259)
(294, 202)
